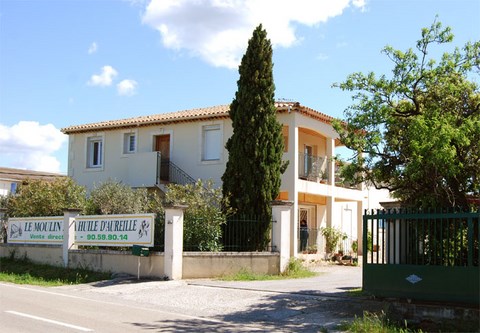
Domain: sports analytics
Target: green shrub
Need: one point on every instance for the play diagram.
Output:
(333, 236)
(203, 218)
(379, 323)
(112, 197)
(45, 198)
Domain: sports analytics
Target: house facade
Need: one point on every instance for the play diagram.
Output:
(180, 147)
(11, 178)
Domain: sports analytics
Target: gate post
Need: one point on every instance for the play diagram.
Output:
(69, 216)
(173, 253)
(281, 214)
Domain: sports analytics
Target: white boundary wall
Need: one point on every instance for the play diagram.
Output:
(178, 265)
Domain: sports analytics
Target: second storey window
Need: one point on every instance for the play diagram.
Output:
(95, 152)
(212, 143)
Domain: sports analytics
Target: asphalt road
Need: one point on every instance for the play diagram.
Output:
(126, 305)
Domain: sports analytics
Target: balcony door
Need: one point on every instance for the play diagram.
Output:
(308, 156)
(162, 145)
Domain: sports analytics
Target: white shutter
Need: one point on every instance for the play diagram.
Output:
(211, 143)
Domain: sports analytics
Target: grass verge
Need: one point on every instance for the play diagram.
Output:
(378, 323)
(25, 272)
(294, 270)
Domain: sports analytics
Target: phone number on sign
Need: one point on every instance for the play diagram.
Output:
(107, 237)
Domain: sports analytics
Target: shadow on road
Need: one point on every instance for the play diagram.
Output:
(285, 312)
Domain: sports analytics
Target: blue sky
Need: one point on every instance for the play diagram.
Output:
(72, 62)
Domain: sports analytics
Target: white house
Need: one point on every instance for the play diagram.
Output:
(150, 151)
(10, 178)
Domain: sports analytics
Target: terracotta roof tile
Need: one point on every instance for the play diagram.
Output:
(21, 174)
(220, 111)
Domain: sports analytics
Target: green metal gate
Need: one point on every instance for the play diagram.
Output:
(422, 255)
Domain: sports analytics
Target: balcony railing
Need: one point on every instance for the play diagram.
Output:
(312, 168)
(315, 169)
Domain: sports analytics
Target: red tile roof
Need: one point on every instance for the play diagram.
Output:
(12, 174)
(214, 112)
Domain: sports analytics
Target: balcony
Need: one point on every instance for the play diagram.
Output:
(315, 169)
(312, 168)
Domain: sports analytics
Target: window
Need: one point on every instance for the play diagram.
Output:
(212, 143)
(129, 143)
(13, 188)
(94, 152)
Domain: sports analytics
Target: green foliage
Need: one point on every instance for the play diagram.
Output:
(355, 246)
(23, 271)
(294, 270)
(252, 176)
(203, 217)
(111, 197)
(378, 323)
(45, 198)
(369, 241)
(333, 236)
(417, 133)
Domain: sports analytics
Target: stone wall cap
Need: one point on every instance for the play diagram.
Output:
(175, 206)
(282, 203)
(72, 210)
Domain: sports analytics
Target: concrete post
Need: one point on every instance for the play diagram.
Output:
(294, 196)
(173, 260)
(281, 213)
(360, 230)
(331, 161)
(69, 216)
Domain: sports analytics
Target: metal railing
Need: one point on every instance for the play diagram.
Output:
(312, 168)
(178, 176)
(315, 169)
(419, 238)
(168, 171)
(247, 233)
(422, 255)
(236, 234)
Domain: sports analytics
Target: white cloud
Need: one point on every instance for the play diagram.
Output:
(218, 30)
(127, 87)
(93, 48)
(105, 78)
(29, 145)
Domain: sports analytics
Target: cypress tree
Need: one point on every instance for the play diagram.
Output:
(252, 176)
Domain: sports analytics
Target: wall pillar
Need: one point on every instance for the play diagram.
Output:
(281, 213)
(69, 216)
(173, 260)
(294, 196)
(360, 230)
(331, 161)
(331, 218)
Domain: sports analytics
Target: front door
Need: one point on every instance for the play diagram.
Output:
(307, 239)
(162, 145)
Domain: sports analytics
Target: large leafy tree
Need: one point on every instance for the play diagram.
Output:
(417, 133)
(252, 176)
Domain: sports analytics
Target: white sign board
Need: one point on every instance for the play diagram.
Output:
(115, 230)
(35, 230)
